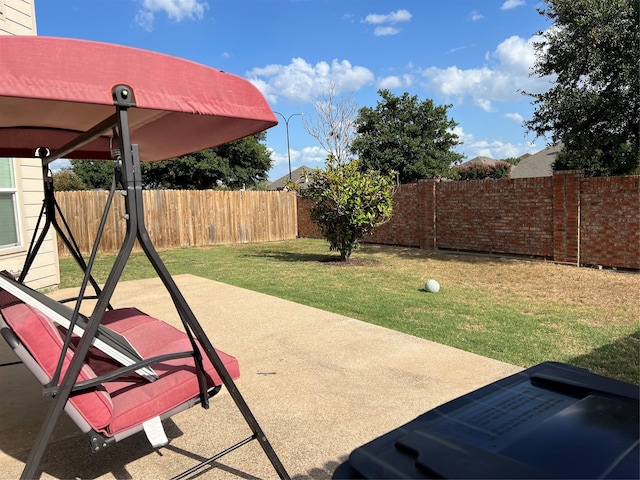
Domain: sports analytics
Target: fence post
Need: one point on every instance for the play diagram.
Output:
(427, 212)
(566, 216)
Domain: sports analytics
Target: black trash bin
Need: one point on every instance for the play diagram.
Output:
(549, 421)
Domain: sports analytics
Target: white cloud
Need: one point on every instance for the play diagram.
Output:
(309, 156)
(475, 16)
(507, 73)
(300, 81)
(483, 103)
(394, 81)
(510, 4)
(385, 23)
(517, 54)
(176, 10)
(464, 137)
(60, 164)
(516, 117)
(384, 31)
(495, 149)
(458, 49)
(392, 18)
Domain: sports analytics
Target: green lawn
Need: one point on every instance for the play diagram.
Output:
(521, 312)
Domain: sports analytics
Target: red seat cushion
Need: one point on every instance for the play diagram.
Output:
(126, 402)
(136, 400)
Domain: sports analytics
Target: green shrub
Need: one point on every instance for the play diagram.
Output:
(349, 204)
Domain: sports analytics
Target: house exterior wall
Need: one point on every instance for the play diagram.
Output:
(17, 17)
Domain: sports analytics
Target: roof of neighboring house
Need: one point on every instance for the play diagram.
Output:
(297, 176)
(537, 165)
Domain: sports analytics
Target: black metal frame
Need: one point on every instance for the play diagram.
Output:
(132, 183)
(50, 212)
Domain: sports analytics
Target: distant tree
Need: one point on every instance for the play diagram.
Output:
(95, 174)
(66, 179)
(348, 203)
(474, 171)
(249, 161)
(240, 164)
(406, 135)
(593, 106)
(333, 124)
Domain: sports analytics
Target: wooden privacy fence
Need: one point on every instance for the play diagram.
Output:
(183, 218)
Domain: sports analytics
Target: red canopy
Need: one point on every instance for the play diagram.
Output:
(52, 89)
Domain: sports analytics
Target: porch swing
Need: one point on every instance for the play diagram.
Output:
(75, 99)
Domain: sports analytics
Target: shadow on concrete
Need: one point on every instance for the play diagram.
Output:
(68, 454)
(71, 457)
(324, 472)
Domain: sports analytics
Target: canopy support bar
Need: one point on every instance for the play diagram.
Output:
(82, 139)
(136, 229)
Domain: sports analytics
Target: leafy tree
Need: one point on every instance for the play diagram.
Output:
(94, 173)
(405, 135)
(333, 124)
(249, 161)
(593, 106)
(243, 163)
(349, 203)
(66, 179)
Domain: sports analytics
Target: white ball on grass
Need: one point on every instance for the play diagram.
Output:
(432, 286)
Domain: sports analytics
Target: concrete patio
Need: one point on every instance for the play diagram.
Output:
(319, 385)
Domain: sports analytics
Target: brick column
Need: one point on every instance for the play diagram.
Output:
(427, 213)
(566, 216)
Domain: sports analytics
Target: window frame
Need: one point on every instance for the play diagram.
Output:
(16, 193)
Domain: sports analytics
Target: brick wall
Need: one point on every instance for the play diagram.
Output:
(404, 226)
(496, 216)
(610, 221)
(565, 218)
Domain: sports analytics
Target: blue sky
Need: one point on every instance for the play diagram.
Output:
(473, 54)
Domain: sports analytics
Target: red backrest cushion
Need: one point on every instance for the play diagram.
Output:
(41, 338)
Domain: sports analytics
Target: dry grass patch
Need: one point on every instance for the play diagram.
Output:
(604, 295)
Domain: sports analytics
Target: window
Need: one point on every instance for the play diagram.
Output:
(9, 218)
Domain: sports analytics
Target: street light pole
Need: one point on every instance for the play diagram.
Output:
(286, 122)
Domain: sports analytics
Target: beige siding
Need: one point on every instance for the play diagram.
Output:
(17, 17)
(44, 272)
